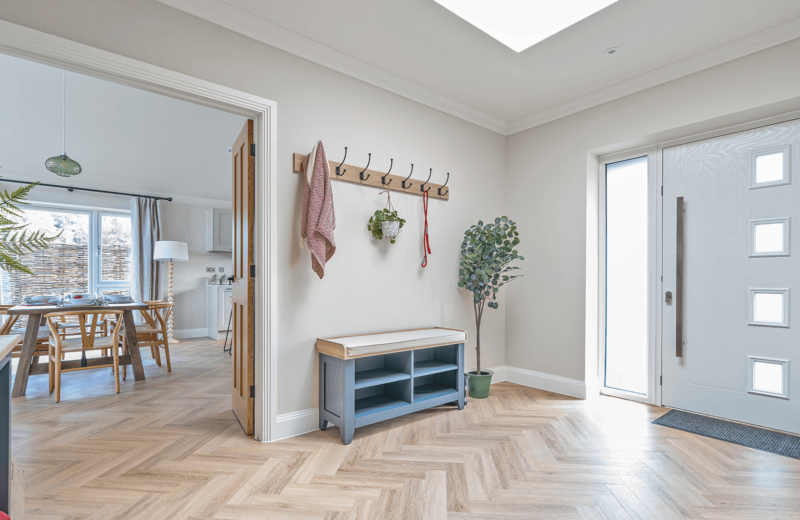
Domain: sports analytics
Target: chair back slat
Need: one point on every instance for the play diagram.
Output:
(88, 328)
(9, 321)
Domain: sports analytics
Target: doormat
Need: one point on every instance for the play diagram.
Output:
(750, 436)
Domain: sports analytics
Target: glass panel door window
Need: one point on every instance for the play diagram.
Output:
(114, 254)
(626, 284)
(91, 255)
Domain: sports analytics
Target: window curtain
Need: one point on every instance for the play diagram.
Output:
(146, 228)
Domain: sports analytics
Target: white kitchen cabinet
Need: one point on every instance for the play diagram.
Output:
(219, 230)
(218, 310)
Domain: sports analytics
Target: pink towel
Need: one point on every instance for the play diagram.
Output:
(319, 220)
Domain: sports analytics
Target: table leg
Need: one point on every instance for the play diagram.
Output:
(133, 345)
(26, 355)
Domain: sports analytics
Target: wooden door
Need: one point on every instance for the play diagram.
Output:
(730, 336)
(242, 385)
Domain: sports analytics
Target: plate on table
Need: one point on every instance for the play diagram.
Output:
(79, 302)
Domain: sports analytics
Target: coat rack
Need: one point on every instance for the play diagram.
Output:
(383, 180)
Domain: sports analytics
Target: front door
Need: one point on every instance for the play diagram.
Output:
(731, 312)
(243, 284)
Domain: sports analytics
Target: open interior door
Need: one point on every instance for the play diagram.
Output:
(242, 383)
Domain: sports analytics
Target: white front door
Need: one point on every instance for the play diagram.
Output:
(736, 308)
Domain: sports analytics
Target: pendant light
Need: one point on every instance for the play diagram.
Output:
(61, 164)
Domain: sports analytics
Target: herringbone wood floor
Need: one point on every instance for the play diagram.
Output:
(170, 447)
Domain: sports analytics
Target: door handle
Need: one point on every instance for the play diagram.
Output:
(668, 298)
(679, 254)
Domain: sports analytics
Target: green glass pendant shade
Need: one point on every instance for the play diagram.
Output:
(63, 166)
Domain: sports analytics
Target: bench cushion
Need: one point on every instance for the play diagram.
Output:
(380, 343)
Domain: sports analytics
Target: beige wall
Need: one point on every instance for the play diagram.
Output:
(552, 176)
(368, 286)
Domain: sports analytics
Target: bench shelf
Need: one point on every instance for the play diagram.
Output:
(372, 387)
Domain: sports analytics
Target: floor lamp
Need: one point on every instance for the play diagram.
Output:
(169, 251)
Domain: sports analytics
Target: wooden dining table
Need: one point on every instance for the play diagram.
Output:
(29, 365)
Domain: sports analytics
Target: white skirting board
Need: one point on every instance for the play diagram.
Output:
(297, 423)
(189, 333)
(540, 380)
(304, 421)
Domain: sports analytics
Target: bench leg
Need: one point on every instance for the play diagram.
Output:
(460, 376)
(348, 418)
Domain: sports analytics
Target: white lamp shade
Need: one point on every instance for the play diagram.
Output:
(171, 251)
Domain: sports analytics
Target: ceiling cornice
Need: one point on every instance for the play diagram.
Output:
(759, 41)
(233, 18)
(225, 15)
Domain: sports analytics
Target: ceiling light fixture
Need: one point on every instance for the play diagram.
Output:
(611, 51)
(519, 24)
(62, 165)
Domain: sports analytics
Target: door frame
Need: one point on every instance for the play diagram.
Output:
(41, 47)
(653, 267)
(656, 314)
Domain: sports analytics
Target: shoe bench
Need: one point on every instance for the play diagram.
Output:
(374, 377)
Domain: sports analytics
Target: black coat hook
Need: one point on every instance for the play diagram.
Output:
(443, 185)
(361, 173)
(383, 179)
(341, 163)
(409, 176)
(422, 188)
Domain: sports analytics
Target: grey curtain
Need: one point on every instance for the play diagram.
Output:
(145, 232)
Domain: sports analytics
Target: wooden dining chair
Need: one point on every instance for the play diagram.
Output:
(89, 340)
(10, 326)
(153, 333)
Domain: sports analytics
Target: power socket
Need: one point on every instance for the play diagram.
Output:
(211, 270)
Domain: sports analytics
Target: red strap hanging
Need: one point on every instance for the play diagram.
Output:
(426, 244)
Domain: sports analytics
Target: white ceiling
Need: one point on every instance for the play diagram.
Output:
(419, 49)
(125, 139)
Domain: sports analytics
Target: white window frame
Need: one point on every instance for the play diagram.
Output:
(786, 150)
(95, 239)
(653, 255)
(752, 360)
(752, 306)
(786, 221)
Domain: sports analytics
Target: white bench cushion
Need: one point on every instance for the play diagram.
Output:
(383, 342)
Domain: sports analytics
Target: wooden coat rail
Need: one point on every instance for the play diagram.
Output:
(394, 181)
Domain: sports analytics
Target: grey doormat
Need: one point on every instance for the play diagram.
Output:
(750, 436)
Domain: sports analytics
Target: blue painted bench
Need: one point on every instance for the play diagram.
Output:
(370, 378)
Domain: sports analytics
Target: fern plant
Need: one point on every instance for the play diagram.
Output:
(15, 239)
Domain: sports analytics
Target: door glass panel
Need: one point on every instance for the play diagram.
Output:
(768, 307)
(769, 168)
(626, 346)
(115, 252)
(769, 238)
(768, 377)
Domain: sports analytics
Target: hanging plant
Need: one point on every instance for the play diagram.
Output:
(386, 223)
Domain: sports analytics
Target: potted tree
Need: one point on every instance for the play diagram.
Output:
(486, 254)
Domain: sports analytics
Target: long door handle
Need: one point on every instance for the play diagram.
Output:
(679, 281)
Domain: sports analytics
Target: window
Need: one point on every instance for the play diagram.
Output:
(769, 376)
(626, 345)
(770, 237)
(771, 168)
(92, 254)
(769, 307)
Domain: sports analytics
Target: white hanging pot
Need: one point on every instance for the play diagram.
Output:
(390, 228)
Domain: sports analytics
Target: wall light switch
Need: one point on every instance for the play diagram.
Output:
(210, 270)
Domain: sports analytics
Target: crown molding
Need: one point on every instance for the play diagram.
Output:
(759, 41)
(225, 15)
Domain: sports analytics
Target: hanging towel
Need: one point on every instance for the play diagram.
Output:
(319, 221)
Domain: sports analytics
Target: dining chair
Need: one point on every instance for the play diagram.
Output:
(10, 326)
(89, 340)
(153, 333)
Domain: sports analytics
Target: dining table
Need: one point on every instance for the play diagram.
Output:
(29, 365)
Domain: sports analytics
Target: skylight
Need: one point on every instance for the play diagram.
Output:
(518, 24)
